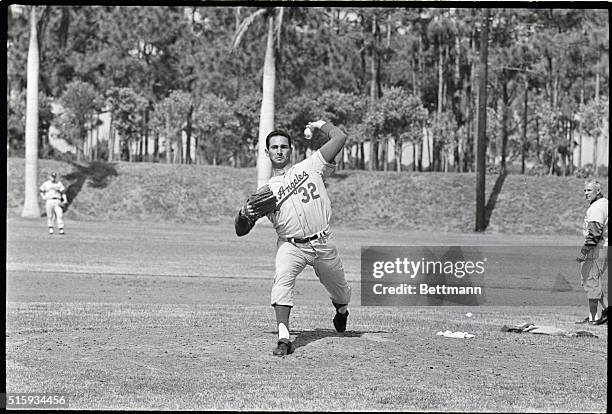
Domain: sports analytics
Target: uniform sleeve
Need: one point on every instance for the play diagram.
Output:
(317, 163)
(594, 233)
(62, 189)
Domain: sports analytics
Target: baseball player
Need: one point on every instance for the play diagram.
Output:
(301, 220)
(54, 194)
(594, 254)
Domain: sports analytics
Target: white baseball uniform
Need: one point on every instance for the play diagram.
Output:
(301, 221)
(52, 194)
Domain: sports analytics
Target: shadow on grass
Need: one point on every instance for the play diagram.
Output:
(97, 172)
(493, 198)
(339, 176)
(303, 338)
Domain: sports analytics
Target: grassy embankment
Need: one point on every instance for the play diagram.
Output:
(418, 201)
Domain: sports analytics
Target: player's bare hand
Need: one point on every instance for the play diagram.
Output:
(315, 124)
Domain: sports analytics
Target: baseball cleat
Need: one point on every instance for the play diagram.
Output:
(602, 319)
(50, 230)
(340, 321)
(283, 347)
(61, 231)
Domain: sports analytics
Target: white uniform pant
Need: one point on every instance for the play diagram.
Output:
(322, 255)
(54, 211)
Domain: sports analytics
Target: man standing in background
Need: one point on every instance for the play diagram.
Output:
(593, 256)
(54, 194)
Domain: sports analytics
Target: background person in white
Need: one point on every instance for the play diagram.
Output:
(301, 221)
(594, 253)
(54, 194)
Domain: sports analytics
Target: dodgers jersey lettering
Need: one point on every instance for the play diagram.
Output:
(52, 190)
(304, 208)
(598, 212)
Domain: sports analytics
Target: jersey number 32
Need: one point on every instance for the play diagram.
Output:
(309, 193)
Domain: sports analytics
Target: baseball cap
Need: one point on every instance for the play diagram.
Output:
(53, 174)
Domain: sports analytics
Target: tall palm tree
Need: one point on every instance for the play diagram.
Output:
(30, 204)
(274, 17)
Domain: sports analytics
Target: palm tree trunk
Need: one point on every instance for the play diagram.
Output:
(266, 118)
(30, 204)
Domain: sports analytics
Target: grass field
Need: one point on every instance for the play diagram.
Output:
(133, 316)
(202, 194)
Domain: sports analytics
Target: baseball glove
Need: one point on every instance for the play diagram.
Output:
(263, 201)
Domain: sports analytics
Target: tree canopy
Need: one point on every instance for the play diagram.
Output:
(382, 74)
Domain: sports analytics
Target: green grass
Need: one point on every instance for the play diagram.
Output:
(409, 201)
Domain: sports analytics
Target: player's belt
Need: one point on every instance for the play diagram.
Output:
(307, 239)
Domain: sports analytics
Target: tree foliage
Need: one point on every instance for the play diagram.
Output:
(127, 110)
(331, 62)
(80, 102)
